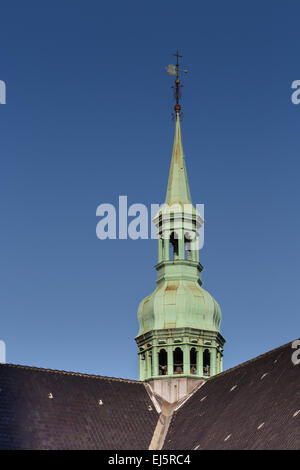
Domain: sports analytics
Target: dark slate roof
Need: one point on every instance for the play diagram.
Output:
(255, 405)
(74, 418)
(252, 406)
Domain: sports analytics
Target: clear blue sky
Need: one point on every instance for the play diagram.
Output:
(88, 119)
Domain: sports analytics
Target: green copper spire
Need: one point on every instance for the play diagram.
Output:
(178, 186)
(179, 323)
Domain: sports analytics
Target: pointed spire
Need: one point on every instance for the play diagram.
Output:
(178, 187)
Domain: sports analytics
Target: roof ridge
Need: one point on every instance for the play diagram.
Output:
(64, 372)
(251, 360)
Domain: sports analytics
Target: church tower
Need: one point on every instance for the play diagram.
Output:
(179, 323)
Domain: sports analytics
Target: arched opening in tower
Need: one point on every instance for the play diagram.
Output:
(206, 362)
(163, 362)
(187, 245)
(193, 361)
(174, 245)
(178, 361)
(150, 360)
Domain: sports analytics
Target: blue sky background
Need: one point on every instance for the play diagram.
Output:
(88, 119)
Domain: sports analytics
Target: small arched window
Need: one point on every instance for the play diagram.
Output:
(178, 361)
(193, 361)
(163, 362)
(174, 245)
(206, 362)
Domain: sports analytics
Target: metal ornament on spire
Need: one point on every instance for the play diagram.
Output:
(174, 70)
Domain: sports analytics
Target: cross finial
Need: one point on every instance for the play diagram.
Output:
(174, 70)
(177, 57)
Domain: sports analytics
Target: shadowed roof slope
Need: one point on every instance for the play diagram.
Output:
(252, 406)
(44, 409)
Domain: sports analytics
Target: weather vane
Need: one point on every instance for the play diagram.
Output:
(174, 70)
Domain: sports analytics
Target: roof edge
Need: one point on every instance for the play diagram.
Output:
(251, 360)
(78, 374)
